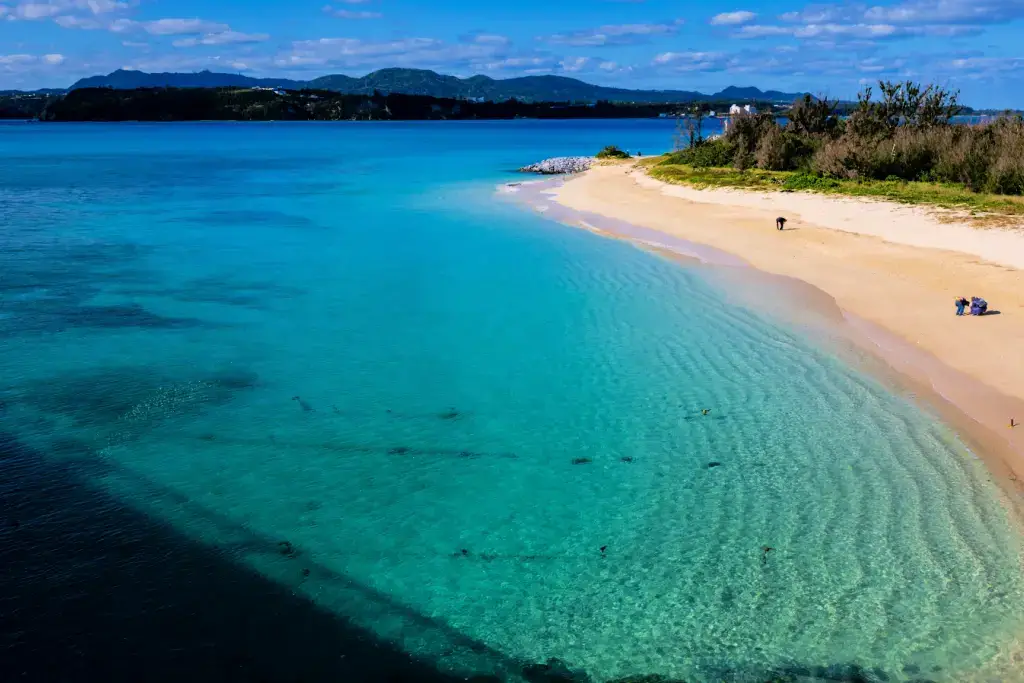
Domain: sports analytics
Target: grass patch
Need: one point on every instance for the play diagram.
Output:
(939, 195)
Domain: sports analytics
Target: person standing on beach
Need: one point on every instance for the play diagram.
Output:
(780, 222)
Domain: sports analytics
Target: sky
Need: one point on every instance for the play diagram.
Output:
(829, 48)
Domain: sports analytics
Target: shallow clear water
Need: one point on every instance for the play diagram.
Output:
(327, 353)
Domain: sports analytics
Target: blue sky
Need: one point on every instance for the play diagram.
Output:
(829, 48)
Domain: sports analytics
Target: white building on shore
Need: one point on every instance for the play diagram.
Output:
(737, 109)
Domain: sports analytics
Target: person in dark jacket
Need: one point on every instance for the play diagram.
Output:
(780, 222)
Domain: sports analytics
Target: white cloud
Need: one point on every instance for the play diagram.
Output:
(470, 55)
(692, 60)
(351, 14)
(33, 10)
(122, 25)
(25, 63)
(852, 31)
(940, 18)
(182, 27)
(107, 6)
(733, 18)
(518, 63)
(948, 11)
(16, 59)
(87, 23)
(574, 64)
(490, 39)
(989, 64)
(222, 38)
(619, 34)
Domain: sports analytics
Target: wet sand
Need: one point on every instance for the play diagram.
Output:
(882, 296)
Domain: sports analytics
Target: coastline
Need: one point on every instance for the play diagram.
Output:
(874, 277)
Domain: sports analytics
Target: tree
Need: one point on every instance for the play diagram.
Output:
(693, 124)
(813, 116)
(903, 104)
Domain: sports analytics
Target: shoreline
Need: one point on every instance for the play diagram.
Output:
(732, 233)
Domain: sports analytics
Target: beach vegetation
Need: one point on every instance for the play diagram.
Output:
(983, 206)
(612, 152)
(901, 144)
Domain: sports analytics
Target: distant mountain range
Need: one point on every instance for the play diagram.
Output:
(423, 82)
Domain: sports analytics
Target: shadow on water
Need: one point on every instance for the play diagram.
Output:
(93, 590)
(46, 286)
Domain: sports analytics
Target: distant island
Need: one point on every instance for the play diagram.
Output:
(387, 94)
(424, 82)
(265, 103)
(400, 94)
(433, 84)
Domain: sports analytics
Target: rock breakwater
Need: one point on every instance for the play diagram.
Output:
(560, 165)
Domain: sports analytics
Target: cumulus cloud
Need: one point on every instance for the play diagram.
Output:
(25, 62)
(7, 60)
(33, 10)
(948, 11)
(619, 34)
(853, 31)
(910, 18)
(691, 60)
(574, 64)
(222, 38)
(182, 27)
(163, 27)
(490, 39)
(990, 64)
(71, 21)
(733, 18)
(485, 53)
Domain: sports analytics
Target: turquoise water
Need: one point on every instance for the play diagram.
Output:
(328, 355)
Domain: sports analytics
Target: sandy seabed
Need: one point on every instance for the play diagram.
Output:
(887, 273)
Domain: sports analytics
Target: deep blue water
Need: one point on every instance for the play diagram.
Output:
(307, 402)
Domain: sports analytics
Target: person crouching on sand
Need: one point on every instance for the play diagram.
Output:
(780, 222)
(961, 304)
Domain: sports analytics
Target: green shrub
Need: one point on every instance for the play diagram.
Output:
(905, 136)
(612, 152)
(783, 150)
(716, 153)
(810, 181)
